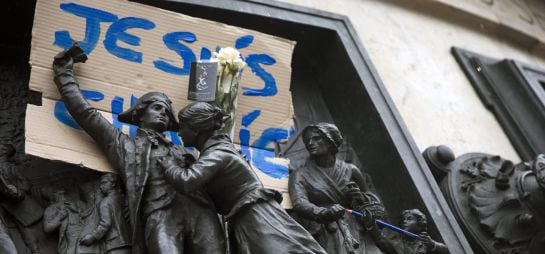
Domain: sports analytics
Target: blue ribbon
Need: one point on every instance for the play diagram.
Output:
(381, 223)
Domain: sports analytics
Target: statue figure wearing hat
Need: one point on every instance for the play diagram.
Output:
(161, 218)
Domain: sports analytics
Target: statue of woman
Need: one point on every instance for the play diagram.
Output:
(323, 187)
(259, 223)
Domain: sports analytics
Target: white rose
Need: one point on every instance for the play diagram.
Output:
(229, 54)
(230, 58)
(239, 64)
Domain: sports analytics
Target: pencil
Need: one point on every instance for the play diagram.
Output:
(381, 223)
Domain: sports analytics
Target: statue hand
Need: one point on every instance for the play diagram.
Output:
(332, 213)
(338, 210)
(62, 63)
(65, 59)
(426, 239)
(75, 52)
(87, 240)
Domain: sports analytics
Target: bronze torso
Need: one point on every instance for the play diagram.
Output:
(157, 192)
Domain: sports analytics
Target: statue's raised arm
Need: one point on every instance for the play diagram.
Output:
(88, 117)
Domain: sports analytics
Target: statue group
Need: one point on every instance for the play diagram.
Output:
(324, 187)
(164, 200)
(100, 228)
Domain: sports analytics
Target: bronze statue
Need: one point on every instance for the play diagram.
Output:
(509, 201)
(162, 219)
(414, 221)
(63, 216)
(112, 229)
(21, 208)
(500, 204)
(8, 192)
(259, 223)
(90, 216)
(6, 243)
(324, 186)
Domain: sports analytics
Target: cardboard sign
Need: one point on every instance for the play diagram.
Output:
(134, 49)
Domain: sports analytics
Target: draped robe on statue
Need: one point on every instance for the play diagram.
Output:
(312, 189)
(258, 222)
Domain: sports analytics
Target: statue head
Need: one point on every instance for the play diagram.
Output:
(413, 220)
(154, 111)
(322, 139)
(7, 151)
(200, 118)
(108, 182)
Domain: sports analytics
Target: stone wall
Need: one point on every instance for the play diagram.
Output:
(409, 43)
(14, 70)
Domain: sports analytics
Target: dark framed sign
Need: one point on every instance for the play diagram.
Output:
(515, 93)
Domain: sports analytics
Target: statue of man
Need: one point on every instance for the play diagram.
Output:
(24, 211)
(166, 221)
(63, 215)
(112, 229)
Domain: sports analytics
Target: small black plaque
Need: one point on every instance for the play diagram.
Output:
(202, 81)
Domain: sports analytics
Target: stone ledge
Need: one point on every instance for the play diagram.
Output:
(518, 21)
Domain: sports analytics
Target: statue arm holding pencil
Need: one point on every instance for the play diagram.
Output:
(434, 247)
(413, 226)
